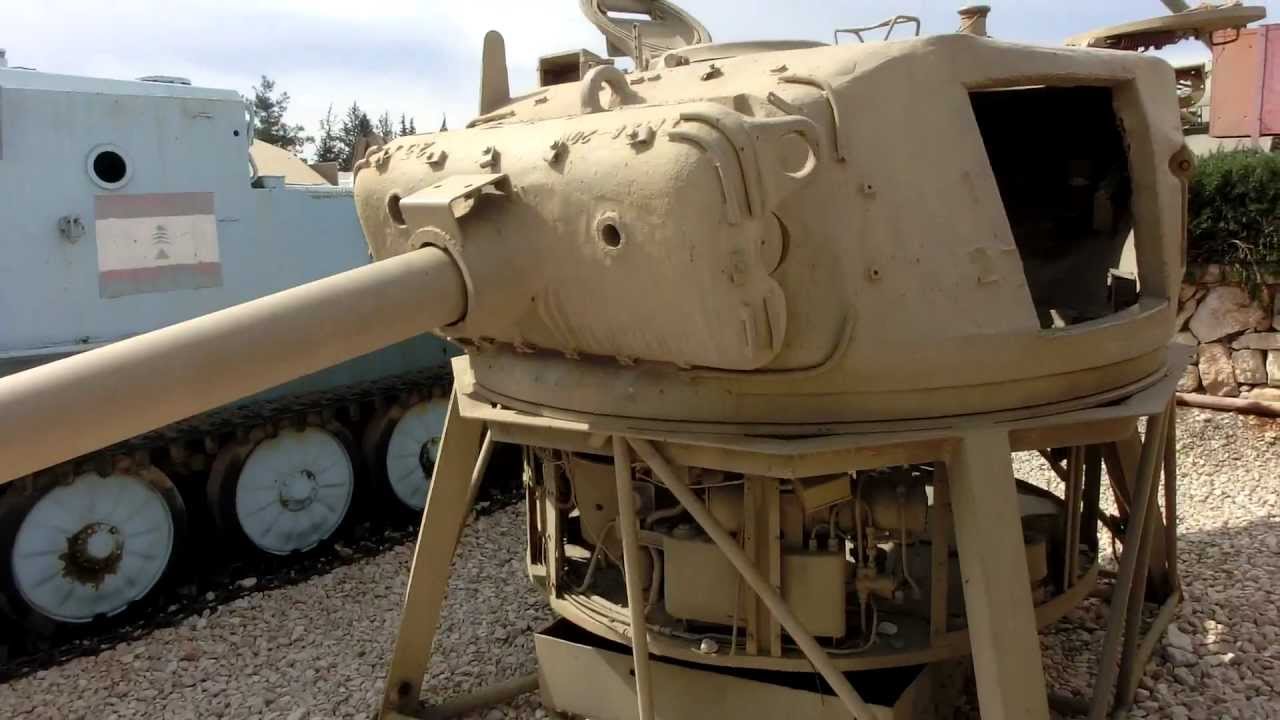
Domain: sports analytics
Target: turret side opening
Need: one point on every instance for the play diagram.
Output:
(1059, 159)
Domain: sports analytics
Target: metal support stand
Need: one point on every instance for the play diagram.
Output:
(940, 552)
(975, 494)
(442, 521)
(1074, 490)
(1120, 645)
(629, 529)
(997, 587)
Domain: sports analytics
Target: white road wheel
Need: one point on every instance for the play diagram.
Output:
(93, 546)
(294, 490)
(414, 444)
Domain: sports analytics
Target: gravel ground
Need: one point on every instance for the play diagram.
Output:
(319, 649)
(313, 650)
(1224, 658)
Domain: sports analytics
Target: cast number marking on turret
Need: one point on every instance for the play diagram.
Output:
(156, 243)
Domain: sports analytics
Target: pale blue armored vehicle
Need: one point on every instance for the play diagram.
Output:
(129, 205)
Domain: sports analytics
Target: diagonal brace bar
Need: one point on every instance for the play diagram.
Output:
(767, 594)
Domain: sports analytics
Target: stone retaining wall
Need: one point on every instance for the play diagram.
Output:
(1236, 336)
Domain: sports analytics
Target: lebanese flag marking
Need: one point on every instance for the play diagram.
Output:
(156, 243)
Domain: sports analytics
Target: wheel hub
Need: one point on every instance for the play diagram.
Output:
(426, 455)
(93, 553)
(299, 490)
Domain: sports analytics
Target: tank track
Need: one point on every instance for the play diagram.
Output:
(235, 418)
(204, 579)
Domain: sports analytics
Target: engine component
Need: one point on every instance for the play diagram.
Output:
(816, 493)
(813, 584)
(699, 583)
(725, 503)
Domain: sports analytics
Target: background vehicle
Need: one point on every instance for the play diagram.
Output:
(131, 205)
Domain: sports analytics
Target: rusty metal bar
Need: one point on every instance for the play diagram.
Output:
(1255, 407)
(488, 696)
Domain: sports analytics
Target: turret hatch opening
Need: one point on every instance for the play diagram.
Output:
(1059, 160)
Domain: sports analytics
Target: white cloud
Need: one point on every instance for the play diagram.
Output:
(422, 57)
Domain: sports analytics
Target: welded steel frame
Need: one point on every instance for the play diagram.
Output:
(975, 481)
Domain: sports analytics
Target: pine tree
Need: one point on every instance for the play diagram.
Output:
(413, 130)
(269, 123)
(329, 147)
(385, 128)
(404, 127)
(355, 126)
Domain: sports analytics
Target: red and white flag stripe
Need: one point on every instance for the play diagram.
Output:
(156, 243)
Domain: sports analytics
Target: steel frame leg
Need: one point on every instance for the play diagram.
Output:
(1119, 645)
(442, 521)
(997, 587)
(629, 529)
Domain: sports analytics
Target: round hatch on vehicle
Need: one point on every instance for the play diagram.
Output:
(108, 167)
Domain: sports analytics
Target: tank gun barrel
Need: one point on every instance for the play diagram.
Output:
(52, 413)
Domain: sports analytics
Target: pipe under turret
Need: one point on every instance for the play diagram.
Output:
(62, 410)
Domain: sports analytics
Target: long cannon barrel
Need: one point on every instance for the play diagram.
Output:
(52, 413)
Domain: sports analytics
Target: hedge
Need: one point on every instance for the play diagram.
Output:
(1234, 211)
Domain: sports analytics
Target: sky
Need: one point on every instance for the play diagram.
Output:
(422, 57)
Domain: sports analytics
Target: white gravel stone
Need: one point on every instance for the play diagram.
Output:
(314, 650)
(1229, 557)
(1173, 637)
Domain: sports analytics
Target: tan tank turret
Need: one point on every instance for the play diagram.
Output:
(768, 319)
(736, 238)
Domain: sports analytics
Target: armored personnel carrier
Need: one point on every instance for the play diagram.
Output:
(132, 205)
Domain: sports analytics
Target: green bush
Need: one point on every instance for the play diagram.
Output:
(1234, 211)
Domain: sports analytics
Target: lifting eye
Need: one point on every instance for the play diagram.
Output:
(393, 209)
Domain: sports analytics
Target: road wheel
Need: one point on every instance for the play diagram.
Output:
(286, 493)
(90, 547)
(403, 445)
